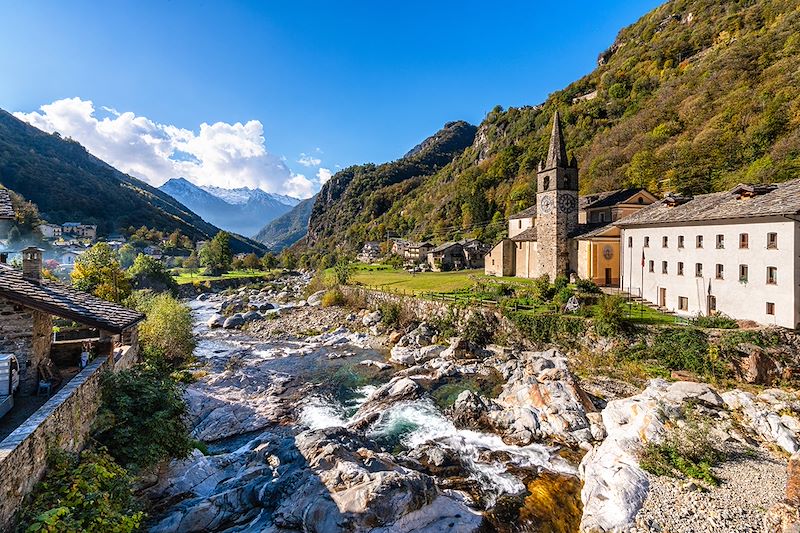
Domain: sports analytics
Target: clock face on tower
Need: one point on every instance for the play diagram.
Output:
(567, 204)
(546, 205)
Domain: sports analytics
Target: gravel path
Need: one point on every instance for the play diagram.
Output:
(751, 482)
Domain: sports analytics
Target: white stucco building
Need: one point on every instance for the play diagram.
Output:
(734, 252)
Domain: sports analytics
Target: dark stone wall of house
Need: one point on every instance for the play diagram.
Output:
(27, 334)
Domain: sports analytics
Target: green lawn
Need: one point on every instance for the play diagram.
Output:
(392, 279)
(185, 277)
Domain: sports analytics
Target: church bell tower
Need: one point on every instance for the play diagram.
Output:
(556, 206)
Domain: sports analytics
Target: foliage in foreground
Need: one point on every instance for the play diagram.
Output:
(681, 348)
(166, 335)
(86, 492)
(547, 328)
(141, 420)
(687, 450)
(609, 315)
(98, 271)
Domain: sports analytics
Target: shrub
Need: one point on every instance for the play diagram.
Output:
(563, 295)
(560, 282)
(166, 334)
(332, 298)
(141, 420)
(682, 349)
(391, 314)
(542, 289)
(343, 271)
(587, 286)
(477, 329)
(609, 315)
(719, 321)
(86, 492)
(687, 450)
(548, 328)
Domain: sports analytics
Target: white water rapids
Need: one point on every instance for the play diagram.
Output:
(419, 422)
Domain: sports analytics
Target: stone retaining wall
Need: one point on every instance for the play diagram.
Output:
(63, 422)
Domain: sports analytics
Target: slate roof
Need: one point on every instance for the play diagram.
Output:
(6, 209)
(64, 301)
(586, 231)
(443, 247)
(612, 198)
(527, 235)
(784, 199)
(525, 213)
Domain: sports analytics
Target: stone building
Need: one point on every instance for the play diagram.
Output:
(734, 252)
(562, 234)
(28, 304)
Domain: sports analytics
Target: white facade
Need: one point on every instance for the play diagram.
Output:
(768, 294)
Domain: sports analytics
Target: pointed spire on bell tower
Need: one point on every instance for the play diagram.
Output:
(557, 154)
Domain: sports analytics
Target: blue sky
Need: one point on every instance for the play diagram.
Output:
(343, 82)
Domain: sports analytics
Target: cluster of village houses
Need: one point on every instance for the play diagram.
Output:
(735, 252)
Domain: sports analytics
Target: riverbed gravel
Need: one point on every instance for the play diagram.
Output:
(752, 480)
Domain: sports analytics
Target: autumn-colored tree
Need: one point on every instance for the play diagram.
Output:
(98, 271)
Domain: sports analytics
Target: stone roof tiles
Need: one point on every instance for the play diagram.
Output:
(525, 213)
(527, 235)
(6, 208)
(784, 199)
(64, 301)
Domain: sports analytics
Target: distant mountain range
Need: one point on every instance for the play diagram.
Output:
(288, 228)
(68, 183)
(243, 210)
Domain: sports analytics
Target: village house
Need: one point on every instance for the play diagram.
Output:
(417, 252)
(78, 230)
(66, 258)
(446, 257)
(564, 234)
(28, 304)
(6, 207)
(370, 252)
(50, 231)
(399, 247)
(734, 252)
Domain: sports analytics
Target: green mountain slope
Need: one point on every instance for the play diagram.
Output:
(69, 184)
(357, 195)
(696, 96)
(288, 228)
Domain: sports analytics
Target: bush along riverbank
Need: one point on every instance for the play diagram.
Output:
(322, 407)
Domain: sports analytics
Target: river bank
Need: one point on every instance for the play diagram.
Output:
(322, 419)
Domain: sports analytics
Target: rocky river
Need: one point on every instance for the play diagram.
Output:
(318, 420)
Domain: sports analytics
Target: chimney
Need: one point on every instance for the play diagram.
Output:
(32, 263)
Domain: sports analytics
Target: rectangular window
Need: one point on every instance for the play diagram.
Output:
(772, 241)
(664, 241)
(744, 240)
(630, 242)
(743, 273)
(663, 267)
(772, 276)
(720, 271)
(651, 266)
(699, 241)
(720, 242)
(647, 242)
(698, 270)
(680, 241)
(680, 268)
(519, 224)
(770, 308)
(683, 303)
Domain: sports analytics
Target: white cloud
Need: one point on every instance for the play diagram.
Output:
(323, 175)
(309, 160)
(220, 154)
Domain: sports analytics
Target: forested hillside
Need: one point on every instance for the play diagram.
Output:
(288, 228)
(67, 183)
(696, 96)
(359, 194)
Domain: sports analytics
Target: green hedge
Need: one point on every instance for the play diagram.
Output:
(546, 328)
